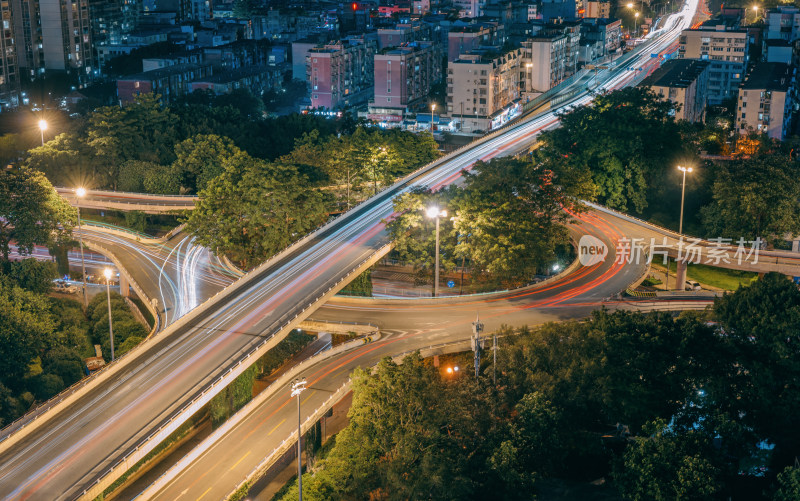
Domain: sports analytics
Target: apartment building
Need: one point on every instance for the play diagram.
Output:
(469, 8)
(53, 35)
(404, 77)
(782, 23)
(9, 67)
(685, 83)
(341, 73)
(550, 57)
(483, 89)
(402, 33)
(465, 39)
(727, 52)
(601, 10)
(765, 101)
(170, 82)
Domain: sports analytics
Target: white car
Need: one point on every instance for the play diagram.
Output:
(64, 287)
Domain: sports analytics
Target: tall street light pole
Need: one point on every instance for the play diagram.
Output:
(107, 273)
(80, 193)
(298, 386)
(433, 108)
(435, 213)
(42, 128)
(683, 192)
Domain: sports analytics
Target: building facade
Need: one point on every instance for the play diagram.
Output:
(9, 66)
(685, 83)
(727, 52)
(341, 74)
(54, 35)
(170, 82)
(404, 77)
(765, 100)
(483, 90)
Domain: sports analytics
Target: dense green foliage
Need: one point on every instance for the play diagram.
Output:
(44, 340)
(507, 222)
(668, 408)
(755, 197)
(255, 209)
(31, 212)
(626, 141)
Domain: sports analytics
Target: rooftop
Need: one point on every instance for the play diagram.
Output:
(164, 72)
(768, 76)
(235, 75)
(676, 73)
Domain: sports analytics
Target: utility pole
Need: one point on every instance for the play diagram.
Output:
(494, 359)
(298, 386)
(477, 328)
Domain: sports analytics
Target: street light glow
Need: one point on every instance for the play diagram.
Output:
(630, 5)
(43, 125)
(432, 212)
(636, 15)
(80, 192)
(684, 169)
(107, 273)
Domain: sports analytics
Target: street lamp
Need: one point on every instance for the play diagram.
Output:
(683, 191)
(636, 24)
(107, 273)
(435, 213)
(298, 386)
(755, 17)
(433, 108)
(42, 128)
(80, 193)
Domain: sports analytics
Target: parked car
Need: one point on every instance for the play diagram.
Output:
(691, 285)
(64, 287)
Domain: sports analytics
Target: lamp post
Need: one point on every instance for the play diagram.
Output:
(298, 386)
(107, 273)
(636, 24)
(80, 193)
(680, 265)
(433, 108)
(42, 128)
(755, 17)
(683, 191)
(435, 213)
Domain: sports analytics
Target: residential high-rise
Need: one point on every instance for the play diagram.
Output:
(9, 69)
(727, 51)
(54, 35)
(403, 78)
(684, 82)
(112, 20)
(483, 89)
(765, 100)
(341, 73)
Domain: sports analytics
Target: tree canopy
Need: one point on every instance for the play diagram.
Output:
(31, 212)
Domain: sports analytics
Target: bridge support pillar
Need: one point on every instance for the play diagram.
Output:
(680, 276)
(124, 286)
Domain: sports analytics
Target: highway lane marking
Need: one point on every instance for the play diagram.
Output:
(309, 396)
(276, 427)
(203, 494)
(240, 460)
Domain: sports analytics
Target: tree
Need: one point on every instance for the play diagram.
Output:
(668, 466)
(33, 275)
(761, 350)
(201, 158)
(255, 209)
(788, 485)
(755, 198)
(626, 140)
(510, 218)
(31, 212)
(25, 323)
(66, 160)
